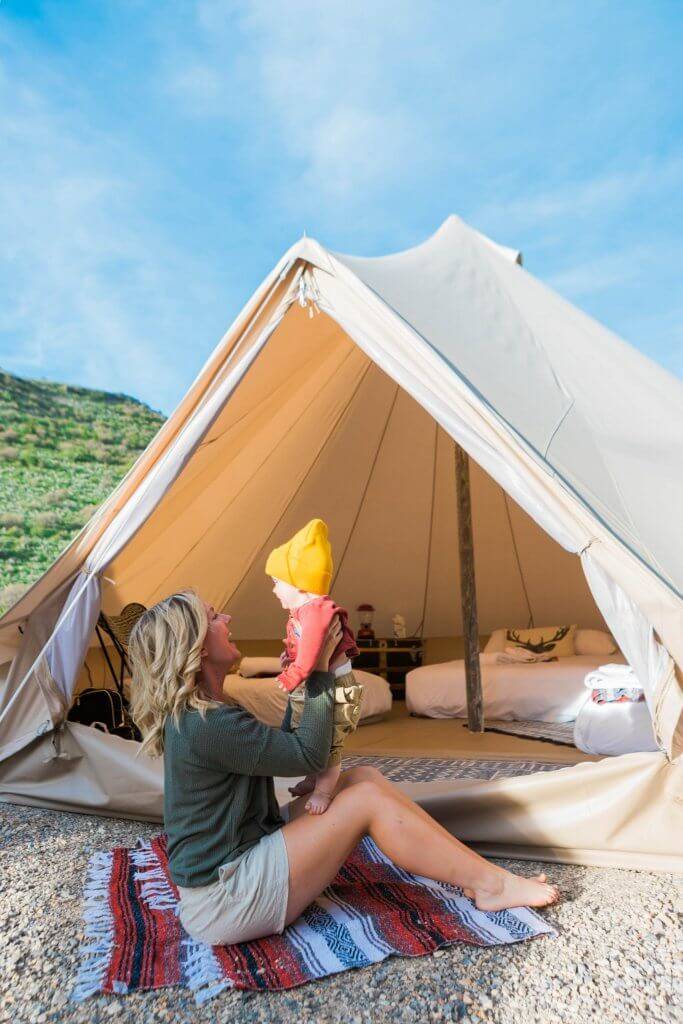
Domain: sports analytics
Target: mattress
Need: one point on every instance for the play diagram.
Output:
(614, 729)
(267, 702)
(549, 691)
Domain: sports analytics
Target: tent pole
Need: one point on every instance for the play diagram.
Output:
(468, 595)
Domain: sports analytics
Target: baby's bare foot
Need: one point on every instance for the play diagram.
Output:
(318, 802)
(304, 787)
(516, 891)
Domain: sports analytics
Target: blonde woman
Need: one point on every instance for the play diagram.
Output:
(244, 871)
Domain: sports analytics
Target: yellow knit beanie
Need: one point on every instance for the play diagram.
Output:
(305, 561)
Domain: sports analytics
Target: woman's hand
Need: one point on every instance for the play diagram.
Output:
(334, 635)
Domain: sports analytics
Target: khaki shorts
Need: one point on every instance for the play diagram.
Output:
(347, 698)
(248, 901)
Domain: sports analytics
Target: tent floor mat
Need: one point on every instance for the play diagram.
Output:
(547, 732)
(403, 735)
(434, 769)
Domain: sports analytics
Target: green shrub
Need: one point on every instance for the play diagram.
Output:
(11, 519)
(45, 523)
(10, 595)
(58, 497)
(68, 448)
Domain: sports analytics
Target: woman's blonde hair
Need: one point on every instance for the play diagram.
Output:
(165, 648)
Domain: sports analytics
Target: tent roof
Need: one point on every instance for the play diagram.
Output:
(602, 416)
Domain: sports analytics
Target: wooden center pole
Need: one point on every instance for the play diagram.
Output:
(468, 594)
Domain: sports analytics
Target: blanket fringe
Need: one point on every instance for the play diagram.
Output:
(155, 888)
(99, 928)
(203, 972)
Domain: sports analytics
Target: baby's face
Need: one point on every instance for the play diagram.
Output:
(288, 596)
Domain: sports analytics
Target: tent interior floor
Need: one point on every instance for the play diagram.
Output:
(401, 735)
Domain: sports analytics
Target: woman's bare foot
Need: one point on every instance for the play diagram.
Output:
(471, 894)
(514, 891)
(304, 787)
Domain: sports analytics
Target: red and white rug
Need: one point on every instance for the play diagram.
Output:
(372, 910)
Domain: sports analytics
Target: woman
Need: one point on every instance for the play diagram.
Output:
(242, 872)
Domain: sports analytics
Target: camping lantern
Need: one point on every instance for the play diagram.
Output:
(365, 630)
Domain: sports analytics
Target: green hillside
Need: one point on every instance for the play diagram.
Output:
(62, 450)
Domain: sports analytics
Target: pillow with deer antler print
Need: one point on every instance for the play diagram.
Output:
(557, 641)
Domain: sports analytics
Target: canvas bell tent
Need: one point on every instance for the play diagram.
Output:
(341, 391)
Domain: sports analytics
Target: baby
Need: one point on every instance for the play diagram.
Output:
(301, 571)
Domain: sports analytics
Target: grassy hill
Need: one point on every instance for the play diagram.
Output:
(62, 450)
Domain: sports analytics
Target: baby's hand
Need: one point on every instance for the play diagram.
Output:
(287, 689)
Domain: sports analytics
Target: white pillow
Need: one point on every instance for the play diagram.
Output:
(594, 641)
(496, 642)
(260, 667)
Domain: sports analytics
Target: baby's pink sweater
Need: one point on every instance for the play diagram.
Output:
(307, 628)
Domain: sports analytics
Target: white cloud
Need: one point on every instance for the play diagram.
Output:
(87, 285)
(594, 196)
(602, 273)
(325, 85)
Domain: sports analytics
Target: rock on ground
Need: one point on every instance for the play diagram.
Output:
(614, 962)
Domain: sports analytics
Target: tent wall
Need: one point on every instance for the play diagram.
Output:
(317, 428)
(623, 812)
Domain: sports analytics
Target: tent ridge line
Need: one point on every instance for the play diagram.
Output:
(236, 495)
(423, 624)
(368, 481)
(166, 456)
(557, 427)
(308, 472)
(617, 488)
(281, 386)
(506, 498)
(487, 251)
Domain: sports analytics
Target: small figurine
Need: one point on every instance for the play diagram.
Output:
(365, 630)
(399, 627)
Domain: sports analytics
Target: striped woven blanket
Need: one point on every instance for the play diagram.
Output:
(372, 910)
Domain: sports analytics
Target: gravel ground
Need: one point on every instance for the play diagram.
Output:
(613, 962)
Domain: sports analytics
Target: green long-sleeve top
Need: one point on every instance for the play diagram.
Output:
(219, 797)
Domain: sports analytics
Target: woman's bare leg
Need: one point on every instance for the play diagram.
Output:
(367, 773)
(317, 846)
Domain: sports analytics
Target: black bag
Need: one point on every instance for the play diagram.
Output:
(105, 710)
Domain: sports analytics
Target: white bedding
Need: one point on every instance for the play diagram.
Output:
(551, 691)
(614, 729)
(266, 701)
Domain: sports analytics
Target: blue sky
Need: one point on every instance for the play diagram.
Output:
(157, 159)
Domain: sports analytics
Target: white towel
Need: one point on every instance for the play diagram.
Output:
(612, 677)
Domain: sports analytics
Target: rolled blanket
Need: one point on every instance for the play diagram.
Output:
(623, 695)
(521, 656)
(614, 684)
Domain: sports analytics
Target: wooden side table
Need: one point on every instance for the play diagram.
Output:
(392, 659)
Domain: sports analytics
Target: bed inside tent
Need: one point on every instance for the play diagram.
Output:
(293, 418)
